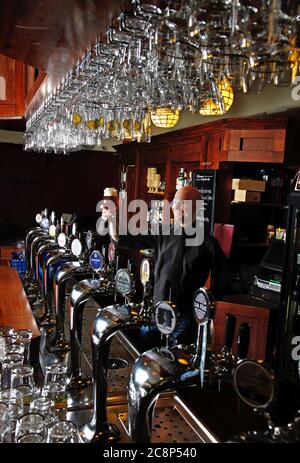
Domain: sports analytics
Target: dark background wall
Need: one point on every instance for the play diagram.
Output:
(29, 182)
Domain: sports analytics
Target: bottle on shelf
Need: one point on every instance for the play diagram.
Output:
(155, 212)
(180, 179)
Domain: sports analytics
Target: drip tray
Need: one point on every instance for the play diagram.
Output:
(173, 422)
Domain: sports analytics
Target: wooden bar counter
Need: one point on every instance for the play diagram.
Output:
(15, 310)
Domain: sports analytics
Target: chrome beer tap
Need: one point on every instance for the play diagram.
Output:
(42, 251)
(75, 270)
(55, 258)
(256, 385)
(31, 234)
(166, 368)
(30, 283)
(37, 242)
(108, 322)
(223, 363)
(98, 288)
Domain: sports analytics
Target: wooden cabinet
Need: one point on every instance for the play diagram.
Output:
(12, 88)
(18, 85)
(206, 146)
(253, 145)
(261, 320)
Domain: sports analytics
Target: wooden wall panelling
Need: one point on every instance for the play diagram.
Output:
(187, 155)
(257, 317)
(212, 146)
(208, 146)
(13, 73)
(256, 145)
(33, 83)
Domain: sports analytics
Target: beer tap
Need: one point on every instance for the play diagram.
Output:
(75, 270)
(54, 258)
(256, 385)
(223, 363)
(98, 288)
(108, 322)
(32, 233)
(30, 280)
(166, 368)
(42, 253)
(37, 242)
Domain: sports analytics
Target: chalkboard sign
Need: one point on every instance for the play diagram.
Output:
(205, 181)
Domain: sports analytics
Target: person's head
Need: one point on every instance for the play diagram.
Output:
(184, 205)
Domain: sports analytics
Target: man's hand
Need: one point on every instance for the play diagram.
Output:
(109, 209)
(110, 213)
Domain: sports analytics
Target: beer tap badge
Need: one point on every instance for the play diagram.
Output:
(52, 231)
(96, 261)
(145, 271)
(62, 240)
(38, 218)
(124, 282)
(202, 306)
(76, 247)
(165, 317)
(111, 252)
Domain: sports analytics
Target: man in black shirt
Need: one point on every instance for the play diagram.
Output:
(184, 261)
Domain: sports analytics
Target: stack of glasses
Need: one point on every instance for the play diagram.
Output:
(176, 55)
(31, 414)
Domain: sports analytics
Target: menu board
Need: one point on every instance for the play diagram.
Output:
(205, 181)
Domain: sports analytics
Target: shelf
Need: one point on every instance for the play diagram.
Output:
(158, 195)
(275, 205)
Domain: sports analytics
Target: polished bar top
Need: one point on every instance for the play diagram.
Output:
(15, 310)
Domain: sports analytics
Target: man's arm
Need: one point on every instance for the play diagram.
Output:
(129, 241)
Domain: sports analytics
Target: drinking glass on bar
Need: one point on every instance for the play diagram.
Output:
(55, 385)
(63, 432)
(25, 337)
(9, 361)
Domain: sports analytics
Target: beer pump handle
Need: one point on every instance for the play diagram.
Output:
(243, 340)
(130, 265)
(117, 262)
(104, 253)
(172, 294)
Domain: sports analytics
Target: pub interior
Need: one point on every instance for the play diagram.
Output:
(115, 325)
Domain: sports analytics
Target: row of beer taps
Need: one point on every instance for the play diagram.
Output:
(57, 256)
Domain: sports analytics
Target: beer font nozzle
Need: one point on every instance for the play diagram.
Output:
(97, 288)
(223, 363)
(164, 369)
(108, 322)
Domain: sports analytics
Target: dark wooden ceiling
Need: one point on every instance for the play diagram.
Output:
(52, 34)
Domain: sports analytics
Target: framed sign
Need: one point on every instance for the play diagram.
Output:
(76, 247)
(165, 317)
(123, 282)
(205, 182)
(96, 261)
